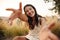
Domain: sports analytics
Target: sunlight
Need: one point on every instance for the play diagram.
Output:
(41, 7)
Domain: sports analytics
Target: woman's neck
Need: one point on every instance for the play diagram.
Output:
(33, 18)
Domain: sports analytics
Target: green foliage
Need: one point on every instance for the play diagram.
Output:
(57, 6)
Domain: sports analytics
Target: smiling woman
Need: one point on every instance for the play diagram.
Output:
(30, 17)
(36, 23)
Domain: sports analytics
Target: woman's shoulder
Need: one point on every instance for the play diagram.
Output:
(41, 17)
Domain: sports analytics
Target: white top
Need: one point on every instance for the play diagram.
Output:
(33, 34)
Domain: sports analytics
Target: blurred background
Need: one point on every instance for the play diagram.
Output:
(47, 8)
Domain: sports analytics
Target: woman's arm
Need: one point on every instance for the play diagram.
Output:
(45, 30)
(53, 36)
(17, 14)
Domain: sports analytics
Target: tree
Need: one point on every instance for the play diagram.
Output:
(57, 5)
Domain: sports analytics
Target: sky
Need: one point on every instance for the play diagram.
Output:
(40, 5)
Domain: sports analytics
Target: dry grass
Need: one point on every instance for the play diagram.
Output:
(21, 28)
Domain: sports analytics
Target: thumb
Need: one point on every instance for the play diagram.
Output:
(51, 25)
(20, 7)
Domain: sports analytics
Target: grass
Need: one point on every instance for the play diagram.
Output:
(22, 29)
(14, 30)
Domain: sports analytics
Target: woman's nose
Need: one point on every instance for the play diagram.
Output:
(29, 11)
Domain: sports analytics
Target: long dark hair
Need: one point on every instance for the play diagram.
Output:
(31, 26)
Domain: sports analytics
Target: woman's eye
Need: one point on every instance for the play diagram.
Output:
(27, 11)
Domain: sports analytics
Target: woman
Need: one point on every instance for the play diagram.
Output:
(31, 18)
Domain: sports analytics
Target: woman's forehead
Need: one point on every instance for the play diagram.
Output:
(27, 7)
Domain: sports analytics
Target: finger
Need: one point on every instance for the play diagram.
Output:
(51, 25)
(20, 6)
(10, 9)
(10, 22)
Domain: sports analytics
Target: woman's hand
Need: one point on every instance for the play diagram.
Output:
(16, 13)
(45, 31)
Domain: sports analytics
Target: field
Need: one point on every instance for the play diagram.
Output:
(19, 28)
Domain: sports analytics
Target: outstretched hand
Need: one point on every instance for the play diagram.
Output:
(14, 10)
(16, 13)
(48, 26)
(46, 34)
(51, 25)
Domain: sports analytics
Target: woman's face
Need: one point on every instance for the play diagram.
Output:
(30, 11)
